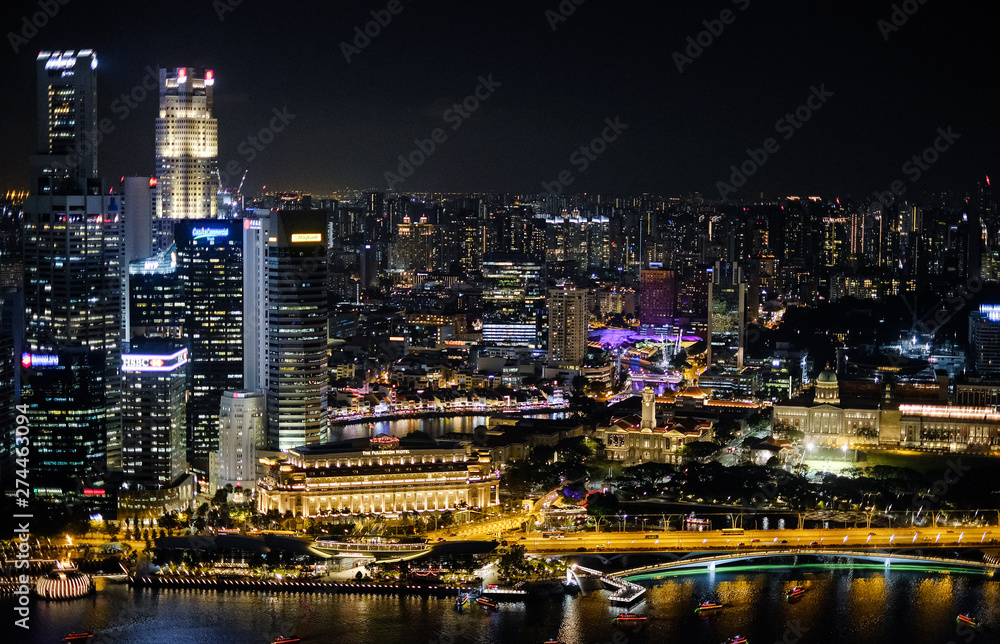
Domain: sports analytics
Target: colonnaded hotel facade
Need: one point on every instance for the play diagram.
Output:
(379, 475)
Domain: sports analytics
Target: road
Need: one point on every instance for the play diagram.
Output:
(860, 539)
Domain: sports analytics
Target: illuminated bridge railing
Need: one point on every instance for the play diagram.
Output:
(370, 547)
(625, 592)
(987, 563)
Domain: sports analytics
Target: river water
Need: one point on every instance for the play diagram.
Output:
(847, 604)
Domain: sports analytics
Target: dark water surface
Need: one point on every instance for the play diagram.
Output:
(851, 604)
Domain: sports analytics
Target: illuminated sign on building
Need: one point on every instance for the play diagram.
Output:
(39, 360)
(209, 232)
(991, 311)
(307, 237)
(134, 362)
(255, 224)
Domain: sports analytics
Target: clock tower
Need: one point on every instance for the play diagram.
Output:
(648, 409)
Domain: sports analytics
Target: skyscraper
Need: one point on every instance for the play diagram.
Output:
(153, 411)
(567, 326)
(297, 329)
(66, 145)
(242, 429)
(513, 301)
(255, 236)
(73, 279)
(984, 339)
(657, 298)
(187, 149)
(210, 265)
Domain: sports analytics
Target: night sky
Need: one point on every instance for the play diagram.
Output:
(556, 88)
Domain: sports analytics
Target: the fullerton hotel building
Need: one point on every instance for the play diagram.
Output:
(379, 475)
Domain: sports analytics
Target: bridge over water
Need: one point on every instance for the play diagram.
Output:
(711, 561)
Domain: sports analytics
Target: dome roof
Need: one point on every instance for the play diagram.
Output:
(827, 376)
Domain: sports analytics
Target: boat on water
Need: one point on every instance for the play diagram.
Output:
(968, 619)
(281, 639)
(486, 601)
(705, 606)
(78, 637)
(739, 639)
(628, 618)
(795, 592)
(551, 642)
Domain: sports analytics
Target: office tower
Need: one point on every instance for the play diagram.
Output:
(156, 297)
(210, 265)
(297, 329)
(72, 298)
(255, 236)
(66, 398)
(984, 339)
(567, 326)
(726, 313)
(417, 247)
(513, 301)
(66, 146)
(242, 429)
(657, 298)
(187, 163)
(153, 415)
(138, 206)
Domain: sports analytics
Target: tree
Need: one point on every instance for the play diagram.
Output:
(785, 431)
(111, 529)
(601, 505)
(699, 449)
(867, 433)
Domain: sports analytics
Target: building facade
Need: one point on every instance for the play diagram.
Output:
(187, 147)
(379, 475)
(568, 316)
(242, 429)
(297, 329)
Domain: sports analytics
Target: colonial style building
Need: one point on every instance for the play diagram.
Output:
(637, 439)
(379, 475)
(826, 420)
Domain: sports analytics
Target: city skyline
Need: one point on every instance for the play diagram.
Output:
(303, 117)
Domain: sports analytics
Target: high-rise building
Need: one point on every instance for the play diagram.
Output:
(153, 415)
(984, 339)
(156, 296)
(513, 300)
(66, 146)
(567, 326)
(255, 236)
(242, 429)
(187, 148)
(210, 265)
(726, 314)
(657, 298)
(138, 206)
(297, 329)
(72, 287)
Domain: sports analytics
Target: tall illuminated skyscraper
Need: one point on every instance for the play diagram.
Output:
(210, 265)
(66, 117)
(297, 329)
(567, 326)
(187, 147)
